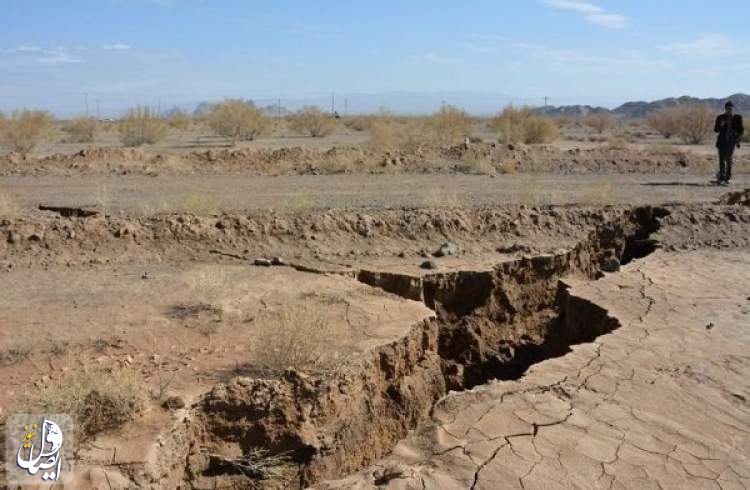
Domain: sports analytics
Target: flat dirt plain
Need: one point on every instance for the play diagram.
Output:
(332, 316)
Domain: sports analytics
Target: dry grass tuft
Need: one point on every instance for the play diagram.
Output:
(80, 130)
(523, 125)
(600, 122)
(97, 399)
(179, 119)
(24, 130)
(471, 163)
(238, 120)
(298, 336)
(312, 121)
(141, 126)
(530, 192)
(450, 125)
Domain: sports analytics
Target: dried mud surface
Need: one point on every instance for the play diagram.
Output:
(511, 293)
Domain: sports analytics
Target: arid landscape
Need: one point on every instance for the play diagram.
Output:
(457, 309)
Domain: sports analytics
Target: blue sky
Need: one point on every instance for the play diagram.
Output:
(480, 53)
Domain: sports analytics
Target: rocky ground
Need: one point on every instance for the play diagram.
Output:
(477, 346)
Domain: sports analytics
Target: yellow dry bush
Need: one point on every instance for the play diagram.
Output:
(81, 129)
(524, 125)
(97, 399)
(179, 119)
(312, 121)
(141, 126)
(696, 121)
(298, 336)
(24, 130)
(450, 125)
(238, 120)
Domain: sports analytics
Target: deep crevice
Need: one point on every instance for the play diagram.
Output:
(490, 325)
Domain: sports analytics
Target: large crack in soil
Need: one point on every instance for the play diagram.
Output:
(298, 429)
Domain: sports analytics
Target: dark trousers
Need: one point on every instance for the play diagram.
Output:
(726, 158)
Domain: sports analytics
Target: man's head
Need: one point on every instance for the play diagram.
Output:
(729, 108)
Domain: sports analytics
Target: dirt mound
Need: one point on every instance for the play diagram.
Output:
(465, 158)
(737, 198)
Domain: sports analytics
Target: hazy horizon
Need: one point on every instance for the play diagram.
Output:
(409, 57)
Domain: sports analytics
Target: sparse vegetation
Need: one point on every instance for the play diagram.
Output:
(179, 119)
(746, 134)
(449, 125)
(312, 121)
(238, 120)
(141, 126)
(695, 122)
(297, 336)
(97, 399)
(81, 129)
(665, 121)
(24, 130)
(471, 163)
(523, 125)
(599, 122)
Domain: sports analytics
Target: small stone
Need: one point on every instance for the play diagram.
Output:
(710, 326)
(446, 249)
(402, 254)
(263, 262)
(428, 264)
(278, 261)
(145, 275)
(173, 403)
(244, 381)
(610, 264)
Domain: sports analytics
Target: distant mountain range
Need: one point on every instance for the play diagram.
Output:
(643, 109)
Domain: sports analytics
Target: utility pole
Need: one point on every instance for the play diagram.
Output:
(278, 108)
(346, 107)
(158, 111)
(86, 99)
(546, 101)
(333, 103)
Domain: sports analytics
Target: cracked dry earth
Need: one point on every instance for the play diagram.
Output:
(517, 363)
(659, 403)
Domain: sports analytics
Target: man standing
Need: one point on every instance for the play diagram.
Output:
(729, 128)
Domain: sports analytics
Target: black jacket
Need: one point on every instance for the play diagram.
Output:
(729, 134)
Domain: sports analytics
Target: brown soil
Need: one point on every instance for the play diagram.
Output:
(496, 304)
(305, 161)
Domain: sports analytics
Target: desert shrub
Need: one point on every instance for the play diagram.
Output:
(141, 126)
(665, 121)
(523, 125)
(81, 129)
(450, 124)
(358, 123)
(472, 163)
(746, 134)
(312, 121)
(179, 119)
(96, 399)
(24, 130)
(390, 133)
(695, 122)
(600, 122)
(237, 119)
(298, 336)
